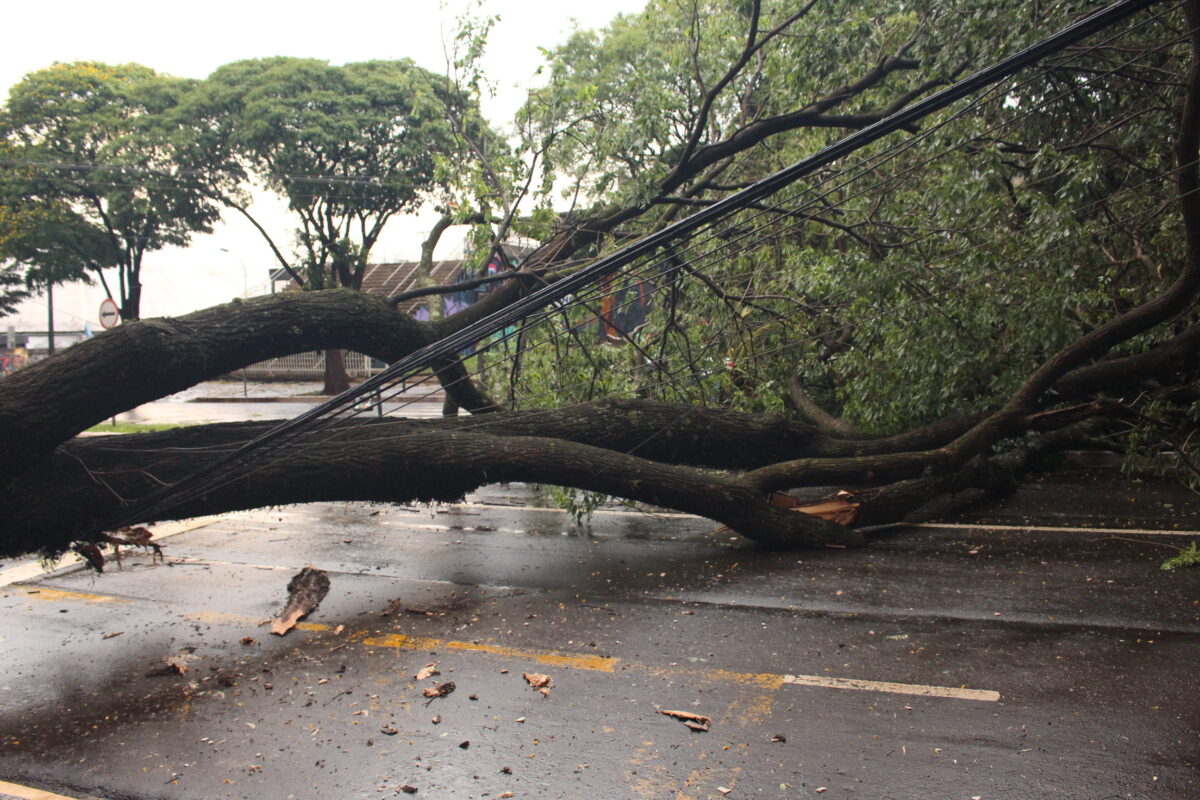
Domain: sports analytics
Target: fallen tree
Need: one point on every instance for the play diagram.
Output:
(723, 464)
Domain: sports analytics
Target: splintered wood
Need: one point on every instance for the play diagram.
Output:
(306, 590)
(427, 671)
(697, 722)
(836, 508)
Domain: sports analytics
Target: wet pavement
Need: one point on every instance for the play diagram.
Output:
(234, 401)
(1011, 653)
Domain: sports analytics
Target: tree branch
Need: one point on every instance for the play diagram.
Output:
(752, 46)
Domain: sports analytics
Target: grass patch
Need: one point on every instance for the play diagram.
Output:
(133, 427)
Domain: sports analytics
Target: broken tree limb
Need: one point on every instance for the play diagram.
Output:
(75, 494)
(996, 476)
(463, 390)
(306, 590)
(144, 360)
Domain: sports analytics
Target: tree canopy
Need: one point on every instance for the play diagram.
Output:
(349, 147)
(920, 283)
(92, 179)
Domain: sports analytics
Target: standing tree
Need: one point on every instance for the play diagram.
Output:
(13, 288)
(91, 180)
(349, 148)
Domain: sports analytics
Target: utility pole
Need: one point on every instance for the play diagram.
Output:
(50, 313)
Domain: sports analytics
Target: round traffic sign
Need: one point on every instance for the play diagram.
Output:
(110, 315)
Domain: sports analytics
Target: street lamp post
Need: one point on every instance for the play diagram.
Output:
(50, 313)
(245, 274)
(245, 294)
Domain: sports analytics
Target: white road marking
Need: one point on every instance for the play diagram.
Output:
(1050, 529)
(614, 512)
(921, 690)
(423, 526)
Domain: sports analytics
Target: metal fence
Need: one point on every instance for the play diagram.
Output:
(308, 366)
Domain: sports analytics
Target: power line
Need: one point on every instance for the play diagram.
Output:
(317, 419)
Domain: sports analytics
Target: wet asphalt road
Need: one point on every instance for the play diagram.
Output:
(988, 661)
(233, 401)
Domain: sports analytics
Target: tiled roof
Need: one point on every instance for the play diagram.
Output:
(392, 279)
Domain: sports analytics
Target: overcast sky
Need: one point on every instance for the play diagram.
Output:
(192, 39)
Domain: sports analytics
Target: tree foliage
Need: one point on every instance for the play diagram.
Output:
(91, 179)
(349, 147)
(922, 282)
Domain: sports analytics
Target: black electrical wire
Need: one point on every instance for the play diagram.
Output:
(606, 266)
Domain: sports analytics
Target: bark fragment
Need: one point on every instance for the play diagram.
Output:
(306, 590)
(697, 722)
(539, 682)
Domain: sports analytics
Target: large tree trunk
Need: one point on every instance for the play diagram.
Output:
(658, 453)
(689, 459)
(82, 488)
(144, 360)
(336, 379)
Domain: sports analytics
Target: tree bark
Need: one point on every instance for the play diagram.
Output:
(73, 491)
(336, 379)
(141, 361)
(83, 488)
(656, 453)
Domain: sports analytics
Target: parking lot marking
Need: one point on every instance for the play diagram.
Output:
(28, 793)
(921, 690)
(1049, 529)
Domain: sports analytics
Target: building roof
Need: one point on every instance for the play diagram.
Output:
(396, 277)
(392, 279)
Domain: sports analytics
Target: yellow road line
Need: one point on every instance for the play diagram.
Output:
(59, 595)
(553, 659)
(764, 680)
(760, 680)
(28, 793)
(921, 690)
